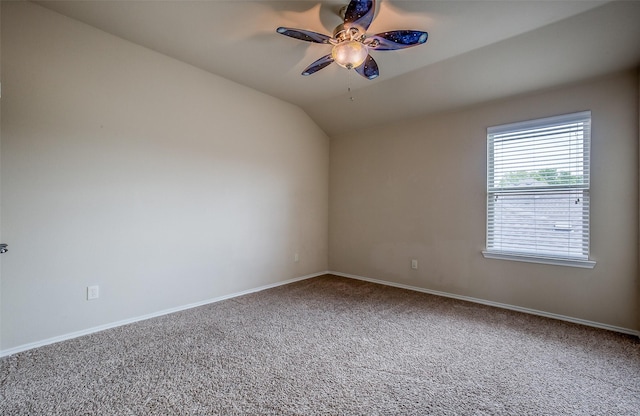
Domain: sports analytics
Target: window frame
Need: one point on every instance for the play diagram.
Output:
(492, 191)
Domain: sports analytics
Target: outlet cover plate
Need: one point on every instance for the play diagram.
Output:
(93, 292)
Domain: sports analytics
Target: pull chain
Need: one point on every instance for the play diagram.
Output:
(351, 98)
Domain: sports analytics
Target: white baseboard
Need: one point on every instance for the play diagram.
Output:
(496, 304)
(32, 345)
(25, 347)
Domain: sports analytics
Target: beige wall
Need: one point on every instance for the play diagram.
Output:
(416, 190)
(163, 184)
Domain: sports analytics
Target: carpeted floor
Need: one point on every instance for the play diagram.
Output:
(331, 346)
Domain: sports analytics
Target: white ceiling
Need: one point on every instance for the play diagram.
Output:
(477, 50)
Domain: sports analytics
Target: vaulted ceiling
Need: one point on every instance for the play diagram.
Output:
(477, 50)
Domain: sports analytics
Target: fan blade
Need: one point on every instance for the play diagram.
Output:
(360, 13)
(318, 65)
(306, 35)
(369, 68)
(396, 39)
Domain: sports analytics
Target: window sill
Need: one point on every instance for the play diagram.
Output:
(585, 264)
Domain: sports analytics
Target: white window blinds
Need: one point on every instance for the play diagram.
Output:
(538, 187)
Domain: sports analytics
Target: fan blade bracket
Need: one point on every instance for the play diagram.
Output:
(396, 39)
(304, 35)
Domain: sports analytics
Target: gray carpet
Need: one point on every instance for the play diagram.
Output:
(331, 346)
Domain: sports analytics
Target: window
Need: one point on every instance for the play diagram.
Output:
(538, 190)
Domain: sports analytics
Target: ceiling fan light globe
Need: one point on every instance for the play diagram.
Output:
(350, 54)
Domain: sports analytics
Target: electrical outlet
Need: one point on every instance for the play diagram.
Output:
(296, 258)
(414, 264)
(93, 292)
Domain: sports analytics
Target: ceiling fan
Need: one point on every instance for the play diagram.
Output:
(351, 45)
